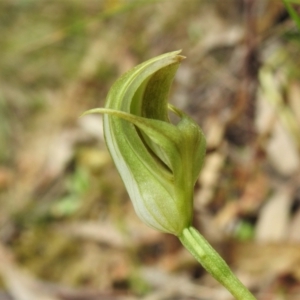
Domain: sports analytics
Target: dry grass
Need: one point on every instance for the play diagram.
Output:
(64, 214)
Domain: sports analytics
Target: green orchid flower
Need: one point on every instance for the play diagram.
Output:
(159, 162)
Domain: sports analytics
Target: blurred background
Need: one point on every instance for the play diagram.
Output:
(67, 228)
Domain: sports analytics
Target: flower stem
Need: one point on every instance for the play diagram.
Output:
(213, 263)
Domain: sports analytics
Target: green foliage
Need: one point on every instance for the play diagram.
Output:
(77, 186)
(244, 231)
(291, 10)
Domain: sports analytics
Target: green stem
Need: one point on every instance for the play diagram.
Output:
(213, 263)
